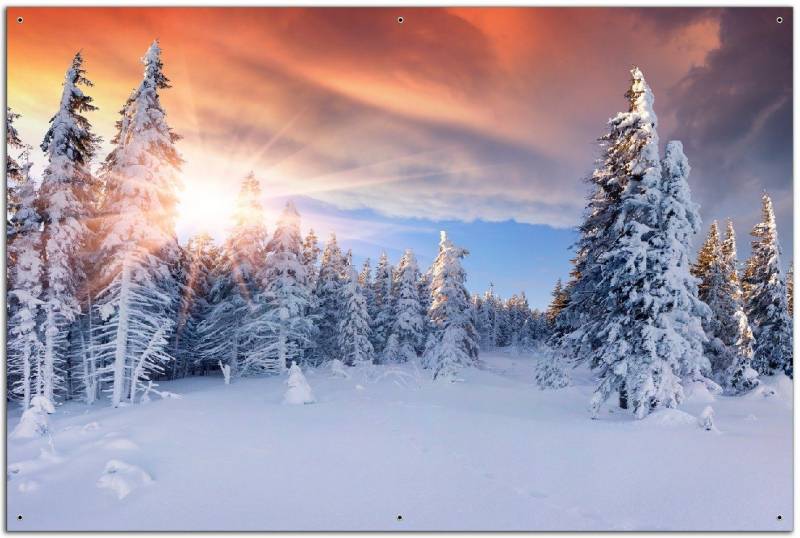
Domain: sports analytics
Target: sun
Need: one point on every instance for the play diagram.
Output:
(204, 206)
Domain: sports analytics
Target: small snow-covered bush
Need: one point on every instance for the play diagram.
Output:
(706, 418)
(299, 392)
(34, 420)
(226, 372)
(338, 369)
(122, 478)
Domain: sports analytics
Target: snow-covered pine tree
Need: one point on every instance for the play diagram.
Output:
(405, 339)
(354, 327)
(679, 223)
(234, 294)
(765, 298)
(735, 329)
(327, 302)
(708, 254)
(790, 288)
(643, 274)
(424, 291)
(586, 302)
(311, 253)
(14, 172)
(65, 206)
(519, 313)
(25, 349)
(280, 326)
(138, 245)
(382, 314)
(452, 343)
(365, 281)
(201, 257)
(487, 319)
(558, 303)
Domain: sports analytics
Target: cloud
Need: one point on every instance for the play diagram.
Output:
(734, 114)
(459, 113)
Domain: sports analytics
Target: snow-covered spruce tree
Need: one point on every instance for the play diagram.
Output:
(518, 315)
(558, 303)
(424, 290)
(405, 339)
(382, 314)
(25, 349)
(235, 294)
(647, 333)
(311, 253)
(65, 206)
(280, 326)
(487, 319)
(765, 298)
(735, 329)
(327, 303)
(200, 260)
(137, 245)
(354, 327)
(680, 222)
(790, 288)
(14, 171)
(608, 182)
(452, 343)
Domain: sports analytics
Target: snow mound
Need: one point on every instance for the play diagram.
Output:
(123, 478)
(121, 444)
(698, 392)
(706, 419)
(299, 392)
(33, 422)
(338, 369)
(90, 427)
(669, 418)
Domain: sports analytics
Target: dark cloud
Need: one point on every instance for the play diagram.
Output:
(735, 117)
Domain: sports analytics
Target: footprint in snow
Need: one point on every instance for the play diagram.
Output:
(28, 486)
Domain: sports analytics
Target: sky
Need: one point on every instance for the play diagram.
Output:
(479, 121)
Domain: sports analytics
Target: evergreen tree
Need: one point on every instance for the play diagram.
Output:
(382, 304)
(354, 327)
(518, 315)
(487, 319)
(647, 333)
(765, 298)
(327, 302)
(735, 332)
(234, 295)
(679, 223)
(65, 202)
(609, 182)
(281, 327)
(201, 259)
(311, 252)
(15, 174)
(452, 343)
(790, 288)
(424, 292)
(25, 349)
(405, 339)
(138, 245)
(558, 303)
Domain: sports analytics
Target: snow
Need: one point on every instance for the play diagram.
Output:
(493, 452)
(299, 391)
(122, 478)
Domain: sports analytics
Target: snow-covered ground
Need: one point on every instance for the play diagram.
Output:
(389, 450)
